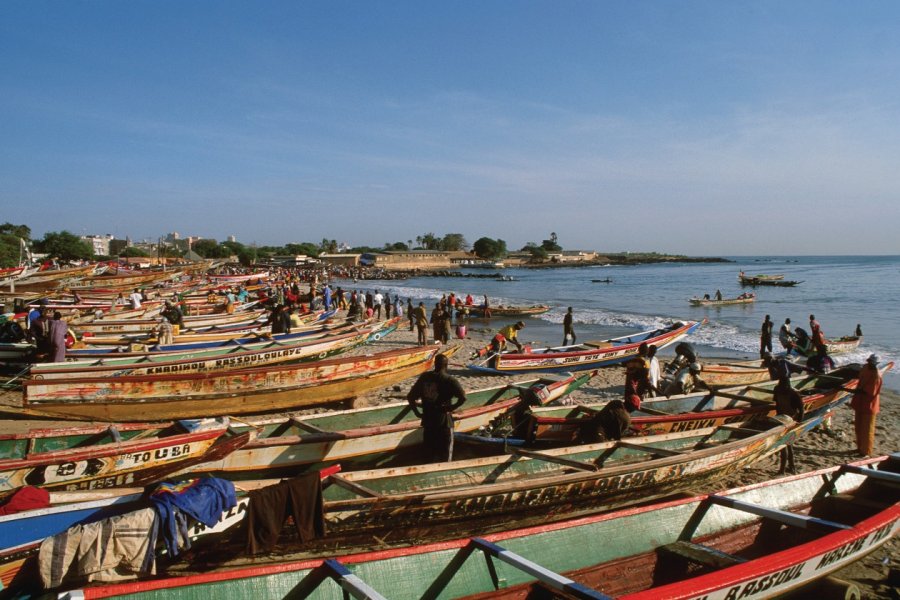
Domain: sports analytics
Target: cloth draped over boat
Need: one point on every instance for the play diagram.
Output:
(26, 498)
(203, 500)
(114, 549)
(269, 507)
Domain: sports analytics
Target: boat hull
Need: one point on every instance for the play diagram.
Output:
(561, 360)
(246, 391)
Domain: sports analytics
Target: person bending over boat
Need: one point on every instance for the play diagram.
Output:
(786, 337)
(508, 334)
(432, 400)
(787, 402)
(686, 381)
(780, 367)
(612, 422)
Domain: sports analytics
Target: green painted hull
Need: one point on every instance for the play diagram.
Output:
(625, 543)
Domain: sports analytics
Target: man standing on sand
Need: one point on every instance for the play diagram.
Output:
(432, 399)
(866, 403)
(765, 336)
(377, 300)
(568, 330)
(787, 402)
(56, 334)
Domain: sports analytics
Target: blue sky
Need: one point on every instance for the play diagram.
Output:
(704, 128)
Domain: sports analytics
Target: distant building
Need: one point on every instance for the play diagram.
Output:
(345, 260)
(407, 259)
(577, 255)
(99, 243)
(294, 260)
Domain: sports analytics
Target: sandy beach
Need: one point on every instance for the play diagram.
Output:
(814, 451)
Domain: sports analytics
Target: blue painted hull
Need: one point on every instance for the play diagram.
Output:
(33, 526)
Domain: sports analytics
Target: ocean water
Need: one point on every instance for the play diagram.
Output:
(842, 291)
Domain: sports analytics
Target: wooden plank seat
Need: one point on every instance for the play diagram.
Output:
(704, 555)
(780, 516)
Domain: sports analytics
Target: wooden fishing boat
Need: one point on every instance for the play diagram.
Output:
(11, 274)
(588, 355)
(719, 375)
(569, 424)
(147, 326)
(848, 343)
(754, 281)
(509, 311)
(231, 392)
(21, 533)
(79, 316)
(92, 457)
(756, 541)
(836, 346)
(232, 279)
(51, 278)
(123, 282)
(527, 487)
(367, 434)
(742, 299)
(764, 276)
(204, 361)
(250, 337)
(210, 336)
(476, 497)
(20, 353)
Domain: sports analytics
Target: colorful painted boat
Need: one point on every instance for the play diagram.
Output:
(835, 346)
(569, 424)
(21, 533)
(51, 279)
(232, 279)
(848, 343)
(526, 487)
(734, 373)
(508, 311)
(742, 299)
(375, 433)
(234, 392)
(148, 326)
(588, 355)
(209, 335)
(200, 343)
(94, 457)
(123, 282)
(752, 542)
(205, 361)
(475, 497)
